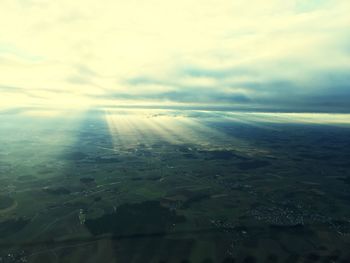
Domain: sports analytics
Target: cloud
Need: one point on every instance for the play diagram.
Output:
(287, 54)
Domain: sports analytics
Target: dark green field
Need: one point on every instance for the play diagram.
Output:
(174, 186)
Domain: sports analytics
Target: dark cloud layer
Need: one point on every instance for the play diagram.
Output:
(321, 91)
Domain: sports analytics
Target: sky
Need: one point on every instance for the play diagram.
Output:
(268, 55)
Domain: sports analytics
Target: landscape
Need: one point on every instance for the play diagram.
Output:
(174, 131)
(122, 185)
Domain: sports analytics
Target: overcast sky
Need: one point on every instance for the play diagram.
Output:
(269, 54)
